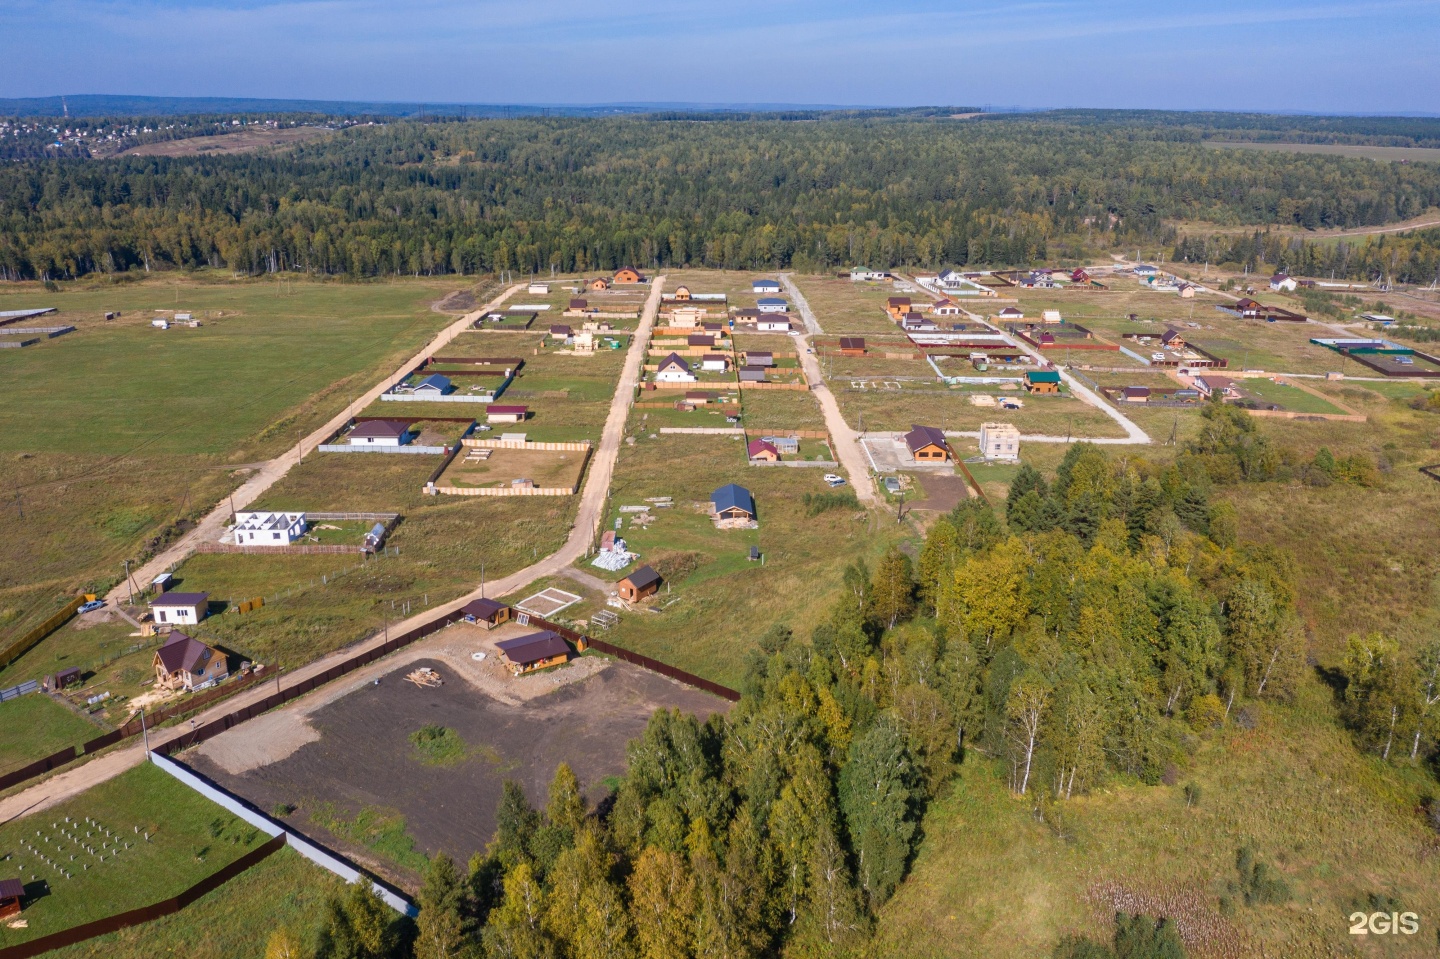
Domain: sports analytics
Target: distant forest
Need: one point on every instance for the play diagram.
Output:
(718, 190)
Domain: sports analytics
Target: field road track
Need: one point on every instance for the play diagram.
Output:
(846, 440)
(271, 471)
(71, 783)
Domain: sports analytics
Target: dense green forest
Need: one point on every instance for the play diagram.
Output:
(579, 194)
(1403, 258)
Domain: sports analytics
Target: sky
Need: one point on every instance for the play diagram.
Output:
(1365, 56)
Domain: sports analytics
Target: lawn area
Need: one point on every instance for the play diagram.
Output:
(1287, 397)
(36, 726)
(994, 879)
(189, 838)
(763, 410)
(844, 307)
(717, 604)
(233, 922)
(883, 410)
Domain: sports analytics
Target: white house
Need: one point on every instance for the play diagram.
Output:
(865, 274)
(381, 433)
(1011, 313)
(1000, 442)
(771, 304)
(1280, 283)
(773, 325)
(1145, 269)
(254, 528)
(434, 385)
(765, 286)
(673, 369)
(945, 308)
(714, 363)
(182, 609)
(538, 289)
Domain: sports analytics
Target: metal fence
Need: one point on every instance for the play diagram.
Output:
(15, 692)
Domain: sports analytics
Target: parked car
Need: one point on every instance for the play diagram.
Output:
(93, 605)
(892, 484)
(1158, 357)
(834, 480)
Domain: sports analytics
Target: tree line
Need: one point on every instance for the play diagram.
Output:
(1397, 258)
(582, 194)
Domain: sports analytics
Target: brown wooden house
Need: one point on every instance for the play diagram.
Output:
(186, 663)
(526, 654)
(927, 444)
(897, 307)
(627, 275)
(1042, 381)
(12, 892)
(600, 283)
(682, 294)
(639, 584)
(852, 346)
(485, 612)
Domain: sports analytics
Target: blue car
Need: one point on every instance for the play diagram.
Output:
(92, 606)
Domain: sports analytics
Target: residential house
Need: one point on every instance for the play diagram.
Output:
(733, 502)
(186, 663)
(950, 280)
(752, 374)
(1210, 384)
(714, 363)
(865, 274)
(1011, 313)
(687, 317)
(628, 275)
(674, 369)
(1145, 269)
(1078, 275)
(748, 314)
(773, 325)
(762, 451)
(699, 397)
(852, 346)
(638, 585)
(12, 893)
(561, 333)
(1187, 291)
(945, 308)
(681, 294)
(1280, 283)
(538, 289)
(506, 414)
(180, 609)
(1135, 394)
(897, 306)
(434, 385)
(268, 529)
(1042, 381)
(1000, 442)
(772, 304)
(380, 433)
(759, 358)
(1172, 339)
(927, 444)
(918, 323)
(485, 612)
(765, 286)
(526, 654)
(599, 283)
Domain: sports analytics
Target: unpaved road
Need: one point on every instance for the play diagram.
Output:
(847, 441)
(269, 473)
(592, 500)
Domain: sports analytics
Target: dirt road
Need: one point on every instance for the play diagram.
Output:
(270, 472)
(847, 441)
(592, 501)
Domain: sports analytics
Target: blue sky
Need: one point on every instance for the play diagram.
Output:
(1367, 56)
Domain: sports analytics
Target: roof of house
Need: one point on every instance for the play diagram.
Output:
(700, 339)
(1011, 311)
(12, 889)
(534, 647)
(675, 359)
(180, 599)
(747, 312)
(752, 373)
(434, 382)
(852, 342)
(1171, 335)
(765, 284)
(560, 329)
(184, 652)
(1137, 391)
(699, 395)
(1216, 382)
(757, 447)
(731, 496)
(1245, 303)
(578, 304)
(756, 357)
(712, 327)
(920, 437)
(504, 410)
(250, 520)
(379, 429)
(1279, 278)
(898, 301)
(481, 608)
(1043, 376)
(770, 301)
(711, 357)
(642, 577)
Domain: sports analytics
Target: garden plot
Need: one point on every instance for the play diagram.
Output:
(493, 468)
(547, 602)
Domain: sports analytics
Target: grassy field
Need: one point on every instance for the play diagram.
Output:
(36, 726)
(881, 410)
(780, 409)
(1287, 397)
(843, 307)
(993, 879)
(233, 922)
(1391, 154)
(190, 838)
(716, 610)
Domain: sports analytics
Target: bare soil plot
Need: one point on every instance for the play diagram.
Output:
(545, 468)
(363, 760)
(245, 140)
(942, 493)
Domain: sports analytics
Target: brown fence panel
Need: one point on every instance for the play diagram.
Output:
(654, 665)
(23, 645)
(100, 742)
(38, 768)
(144, 914)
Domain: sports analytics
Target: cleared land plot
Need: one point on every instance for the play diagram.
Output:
(1268, 393)
(190, 838)
(36, 726)
(780, 409)
(717, 603)
(1251, 344)
(545, 468)
(710, 416)
(952, 410)
(248, 139)
(734, 283)
(234, 921)
(363, 785)
(843, 307)
(1393, 154)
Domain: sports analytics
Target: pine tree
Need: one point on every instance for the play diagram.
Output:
(877, 796)
(444, 928)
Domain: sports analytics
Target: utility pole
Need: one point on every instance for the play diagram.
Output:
(144, 733)
(131, 584)
(482, 579)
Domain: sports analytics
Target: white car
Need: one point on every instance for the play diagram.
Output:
(834, 480)
(1158, 357)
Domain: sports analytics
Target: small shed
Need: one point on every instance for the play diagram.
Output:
(180, 609)
(526, 654)
(733, 502)
(699, 397)
(852, 346)
(1135, 394)
(162, 582)
(639, 584)
(759, 358)
(714, 363)
(560, 331)
(599, 283)
(578, 304)
(12, 893)
(506, 414)
(752, 374)
(485, 612)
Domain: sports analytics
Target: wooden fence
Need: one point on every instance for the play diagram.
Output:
(144, 914)
(581, 447)
(31, 639)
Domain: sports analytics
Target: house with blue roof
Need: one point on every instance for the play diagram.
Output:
(733, 502)
(772, 304)
(434, 384)
(765, 286)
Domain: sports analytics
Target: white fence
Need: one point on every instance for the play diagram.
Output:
(321, 857)
(412, 450)
(427, 398)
